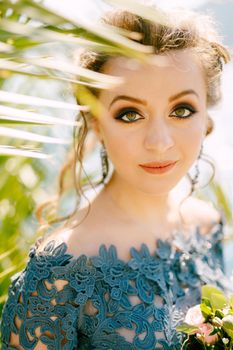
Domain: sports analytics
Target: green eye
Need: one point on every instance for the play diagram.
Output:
(183, 112)
(128, 116)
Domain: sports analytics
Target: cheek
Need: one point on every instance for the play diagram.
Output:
(120, 149)
(191, 138)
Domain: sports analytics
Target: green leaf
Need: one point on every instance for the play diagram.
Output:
(34, 11)
(206, 310)
(15, 67)
(10, 270)
(85, 96)
(3, 298)
(69, 67)
(147, 12)
(228, 325)
(13, 151)
(218, 301)
(215, 296)
(25, 135)
(206, 301)
(219, 314)
(208, 289)
(7, 253)
(62, 67)
(39, 35)
(5, 47)
(186, 328)
(214, 331)
(108, 33)
(11, 97)
(21, 115)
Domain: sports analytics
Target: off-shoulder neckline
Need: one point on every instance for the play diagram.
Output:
(178, 240)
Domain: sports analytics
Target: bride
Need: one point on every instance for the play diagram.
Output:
(125, 275)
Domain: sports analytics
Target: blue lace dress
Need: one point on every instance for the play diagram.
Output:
(164, 284)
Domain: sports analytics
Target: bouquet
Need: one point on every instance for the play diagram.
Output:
(209, 325)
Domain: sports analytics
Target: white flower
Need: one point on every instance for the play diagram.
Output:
(194, 316)
(225, 341)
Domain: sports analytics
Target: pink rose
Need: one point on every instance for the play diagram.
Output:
(194, 316)
(204, 330)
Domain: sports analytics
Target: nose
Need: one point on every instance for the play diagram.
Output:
(158, 136)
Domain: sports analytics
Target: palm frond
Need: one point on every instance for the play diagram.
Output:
(6, 96)
(138, 8)
(36, 36)
(17, 151)
(29, 25)
(30, 136)
(18, 115)
(6, 47)
(6, 254)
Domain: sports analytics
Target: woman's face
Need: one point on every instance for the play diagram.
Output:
(158, 114)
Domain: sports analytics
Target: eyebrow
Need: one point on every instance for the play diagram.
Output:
(182, 93)
(143, 102)
(128, 98)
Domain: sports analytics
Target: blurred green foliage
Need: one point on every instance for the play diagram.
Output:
(16, 206)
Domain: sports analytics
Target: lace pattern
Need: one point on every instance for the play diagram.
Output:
(49, 296)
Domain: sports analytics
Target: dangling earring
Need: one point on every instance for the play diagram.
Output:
(194, 180)
(202, 156)
(104, 163)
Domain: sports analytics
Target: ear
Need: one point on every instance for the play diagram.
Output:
(206, 127)
(209, 125)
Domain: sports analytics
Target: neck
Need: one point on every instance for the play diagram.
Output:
(140, 209)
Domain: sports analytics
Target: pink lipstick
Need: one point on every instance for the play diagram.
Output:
(158, 167)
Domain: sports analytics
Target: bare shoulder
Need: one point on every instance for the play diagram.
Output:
(74, 236)
(203, 213)
(89, 234)
(58, 236)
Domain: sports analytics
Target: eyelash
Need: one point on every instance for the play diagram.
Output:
(125, 111)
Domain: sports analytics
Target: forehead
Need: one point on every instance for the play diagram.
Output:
(170, 72)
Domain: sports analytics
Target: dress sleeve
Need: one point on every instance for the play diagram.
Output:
(208, 253)
(45, 300)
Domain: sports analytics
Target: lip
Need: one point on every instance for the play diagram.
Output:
(158, 164)
(158, 168)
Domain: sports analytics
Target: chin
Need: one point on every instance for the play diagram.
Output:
(158, 191)
(159, 185)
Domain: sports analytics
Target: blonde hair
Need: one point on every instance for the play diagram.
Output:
(179, 30)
